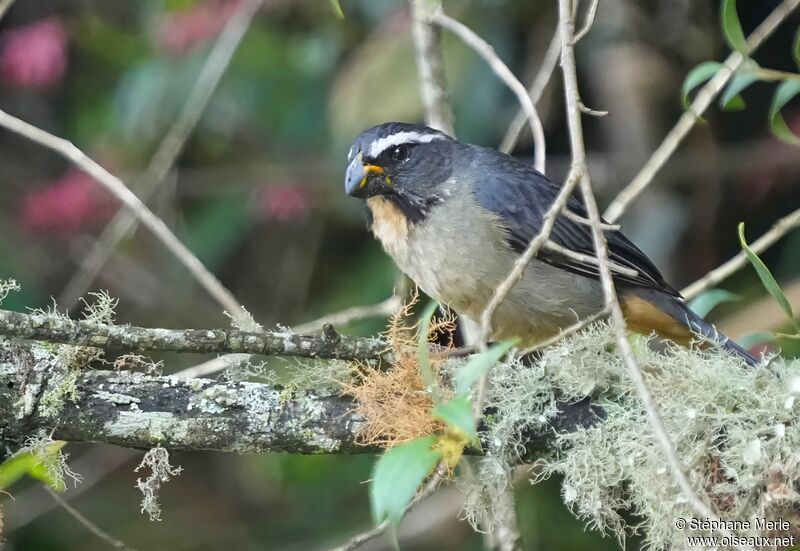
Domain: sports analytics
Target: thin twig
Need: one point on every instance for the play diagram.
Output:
(430, 68)
(485, 50)
(586, 222)
(4, 5)
(571, 95)
(535, 91)
(157, 226)
(171, 145)
(548, 221)
(778, 230)
(567, 331)
(351, 315)
(588, 259)
(690, 117)
(360, 539)
(338, 319)
(587, 25)
(86, 523)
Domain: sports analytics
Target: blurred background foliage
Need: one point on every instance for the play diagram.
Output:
(257, 195)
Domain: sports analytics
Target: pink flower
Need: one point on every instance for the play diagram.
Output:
(180, 32)
(34, 56)
(66, 206)
(284, 203)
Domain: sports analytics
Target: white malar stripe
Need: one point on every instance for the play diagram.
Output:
(381, 145)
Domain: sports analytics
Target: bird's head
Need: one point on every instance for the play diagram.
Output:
(405, 162)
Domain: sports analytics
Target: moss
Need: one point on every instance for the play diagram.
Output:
(63, 388)
(732, 426)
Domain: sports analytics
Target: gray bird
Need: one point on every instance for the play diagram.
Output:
(455, 217)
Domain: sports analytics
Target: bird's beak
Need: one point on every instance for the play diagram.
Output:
(357, 176)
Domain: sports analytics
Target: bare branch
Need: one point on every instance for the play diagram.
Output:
(351, 315)
(580, 257)
(548, 221)
(567, 331)
(587, 25)
(485, 50)
(130, 338)
(171, 145)
(430, 68)
(535, 91)
(690, 117)
(86, 523)
(4, 5)
(572, 96)
(66, 149)
(778, 230)
(360, 539)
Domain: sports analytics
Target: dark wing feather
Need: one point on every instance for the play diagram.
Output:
(521, 196)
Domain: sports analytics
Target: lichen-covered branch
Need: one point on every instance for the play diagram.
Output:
(329, 344)
(141, 411)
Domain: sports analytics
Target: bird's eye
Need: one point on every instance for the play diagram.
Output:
(400, 153)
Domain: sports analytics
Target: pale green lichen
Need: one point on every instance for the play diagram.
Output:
(49, 455)
(733, 427)
(157, 461)
(7, 286)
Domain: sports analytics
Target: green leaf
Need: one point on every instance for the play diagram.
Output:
(337, 9)
(731, 100)
(33, 465)
(765, 275)
(696, 77)
(732, 28)
(457, 413)
(709, 300)
(796, 48)
(423, 346)
(785, 91)
(479, 364)
(397, 476)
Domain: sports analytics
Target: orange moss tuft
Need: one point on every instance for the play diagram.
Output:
(393, 401)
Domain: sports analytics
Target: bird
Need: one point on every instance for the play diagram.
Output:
(455, 217)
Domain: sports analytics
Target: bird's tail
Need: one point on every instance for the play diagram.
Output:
(647, 310)
(701, 327)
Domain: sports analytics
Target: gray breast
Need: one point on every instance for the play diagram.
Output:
(458, 255)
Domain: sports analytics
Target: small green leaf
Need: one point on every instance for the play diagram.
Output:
(423, 346)
(765, 275)
(397, 476)
(749, 341)
(732, 27)
(479, 364)
(709, 300)
(731, 100)
(337, 9)
(28, 463)
(696, 77)
(785, 91)
(457, 413)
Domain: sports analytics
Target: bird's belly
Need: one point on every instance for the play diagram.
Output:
(464, 271)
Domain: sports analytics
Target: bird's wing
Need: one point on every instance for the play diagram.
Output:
(520, 196)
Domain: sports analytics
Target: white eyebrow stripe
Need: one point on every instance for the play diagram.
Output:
(379, 146)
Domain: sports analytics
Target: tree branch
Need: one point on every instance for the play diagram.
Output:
(485, 50)
(690, 117)
(130, 338)
(69, 151)
(572, 100)
(141, 411)
(778, 230)
(168, 150)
